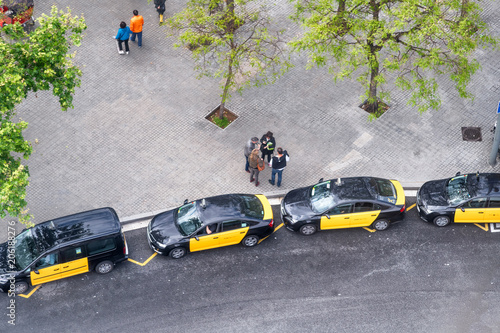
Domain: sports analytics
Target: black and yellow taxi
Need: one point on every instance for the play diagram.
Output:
(467, 198)
(211, 223)
(62, 247)
(344, 203)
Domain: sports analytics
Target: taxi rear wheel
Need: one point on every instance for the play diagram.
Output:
(177, 253)
(442, 221)
(380, 225)
(21, 287)
(250, 241)
(104, 267)
(308, 229)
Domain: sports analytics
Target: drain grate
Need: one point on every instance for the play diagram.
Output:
(471, 134)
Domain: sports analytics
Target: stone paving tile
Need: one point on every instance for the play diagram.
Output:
(137, 139)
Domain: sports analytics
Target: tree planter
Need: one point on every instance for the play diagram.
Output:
(229, 117)
(382, 108)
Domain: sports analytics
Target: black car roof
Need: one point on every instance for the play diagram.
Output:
(353, 188)
(484, 184)
(102, 221)
(222, 207)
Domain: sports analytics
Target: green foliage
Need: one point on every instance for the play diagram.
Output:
(34, 61)
(411, 39)
(230, 40)
(222, 123)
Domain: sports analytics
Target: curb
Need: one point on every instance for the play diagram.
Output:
(410, 186)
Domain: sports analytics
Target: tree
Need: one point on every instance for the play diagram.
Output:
(33, 61)
(412, 39)
(230, 39)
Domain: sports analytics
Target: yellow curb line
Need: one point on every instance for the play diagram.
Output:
(272, 233)
(370, 230)
(485, 228)
(31, 292)
(407, 209)
(143, 263)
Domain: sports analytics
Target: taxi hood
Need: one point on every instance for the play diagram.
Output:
(298, 204)
(433, 193)
(162, 227)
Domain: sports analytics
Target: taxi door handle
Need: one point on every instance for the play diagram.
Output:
(374, 215)
(346, 218)
(65, 266)
(56, 269)
(216, 237)
(481, 212)
(242, 232)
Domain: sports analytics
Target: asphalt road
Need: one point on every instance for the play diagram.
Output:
(413, 277)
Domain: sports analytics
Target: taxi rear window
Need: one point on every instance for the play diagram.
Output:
(385, 190)
(251, 207)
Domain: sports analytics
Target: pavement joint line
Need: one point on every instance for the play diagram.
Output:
(31, 292)
(145, 262)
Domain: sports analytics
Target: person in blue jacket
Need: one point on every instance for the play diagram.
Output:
(122, 36)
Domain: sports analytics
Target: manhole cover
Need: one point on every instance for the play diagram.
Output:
(471, 134)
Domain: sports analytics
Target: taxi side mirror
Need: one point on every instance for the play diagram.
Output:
(462, 208)
(196, 237)
(36, 271)
(186, 201)
(326, 215)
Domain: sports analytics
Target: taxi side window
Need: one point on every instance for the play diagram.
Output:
(494, 203)
(73, 253)
(48, 260)
(204, 229)
(363, 207)
(341, 209)
(101, 245)
(476, 203)
(231, 225)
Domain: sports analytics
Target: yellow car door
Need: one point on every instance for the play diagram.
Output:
(74, 261)
(364, 214)
(46, 269)
(472, 211)
(493, 211)
(206, 238)
(233, 232)
(338, 217)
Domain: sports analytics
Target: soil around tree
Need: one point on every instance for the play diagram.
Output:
(382, 107)
(228, 117)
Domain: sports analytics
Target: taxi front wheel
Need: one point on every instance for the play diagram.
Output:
(380, 225)
(177, 253)
(308, 229)
(104, 267)
(442, 221)
(250, 241)
(21, 287)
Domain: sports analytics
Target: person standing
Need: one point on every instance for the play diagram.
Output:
(249, 147)
(268, 143)
(136, 23)
(254, 161)
(160, 8)
(278, 163)
(122, 37)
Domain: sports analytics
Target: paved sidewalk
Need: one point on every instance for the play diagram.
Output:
(137, 139)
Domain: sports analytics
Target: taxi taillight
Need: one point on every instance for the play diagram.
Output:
(271, 224)
(402, 208)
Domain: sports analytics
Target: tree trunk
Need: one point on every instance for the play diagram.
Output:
(373, 62)
(230, 27)
(226, 87)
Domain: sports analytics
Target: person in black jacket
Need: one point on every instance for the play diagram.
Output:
(278, 163)
(160, 8)
(268, 143)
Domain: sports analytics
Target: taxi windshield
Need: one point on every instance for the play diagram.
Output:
(188, 219)
(457, 190)
(26, 250)
(321, 197)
